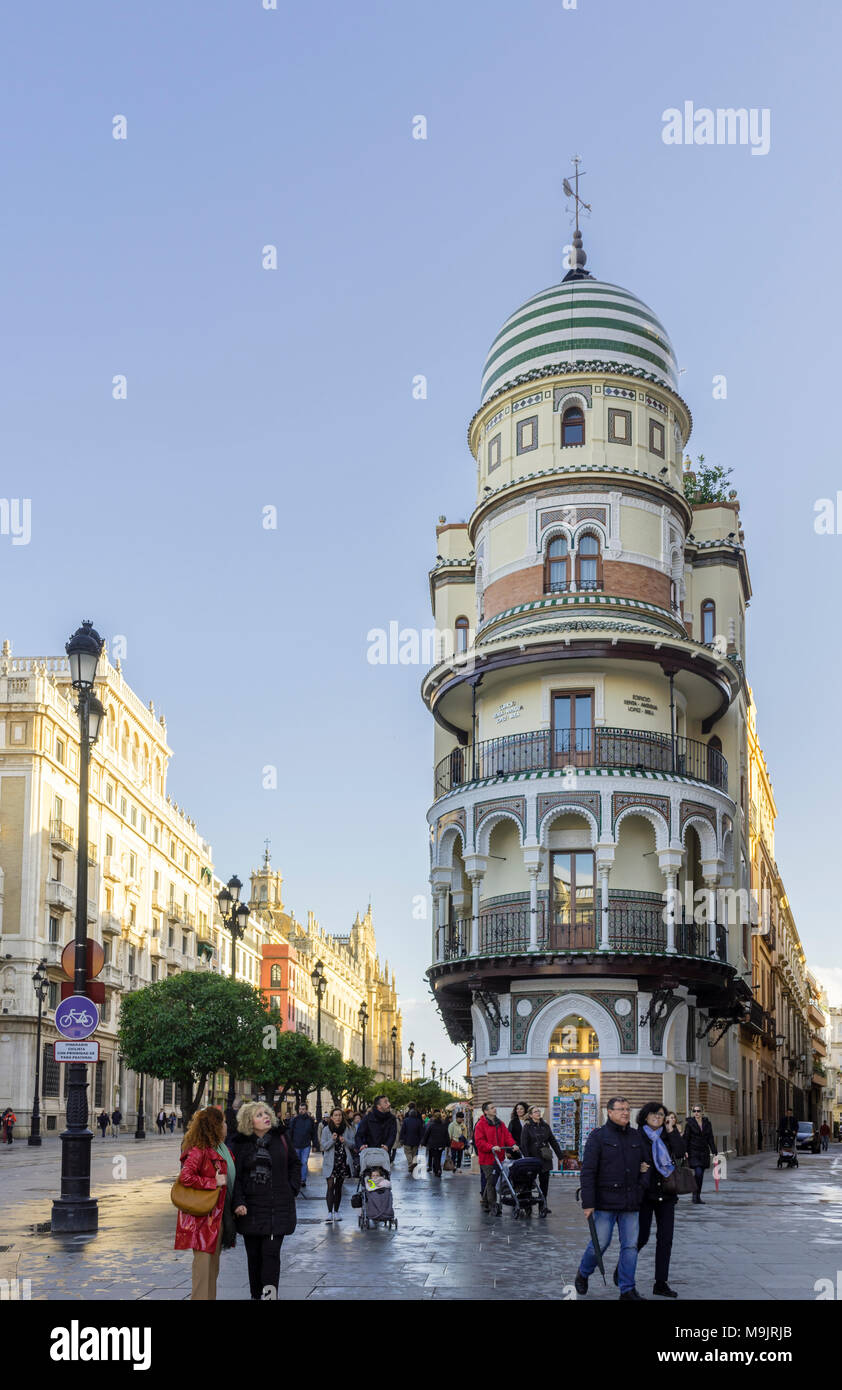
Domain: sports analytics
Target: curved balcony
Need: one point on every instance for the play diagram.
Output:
(545, 750)
(638, 930)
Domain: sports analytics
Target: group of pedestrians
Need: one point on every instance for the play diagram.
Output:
(163, 1121)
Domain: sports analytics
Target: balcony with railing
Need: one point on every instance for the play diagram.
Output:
(62, 835)
(638, 929)
(59, 896)
(640, 750)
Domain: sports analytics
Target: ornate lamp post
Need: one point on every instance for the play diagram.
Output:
(394, 1037)
(140, 1132)
(235, 916)
(76, 1210)
(42, 984)
(433, 1070)
(423, 1063)
(363, 1017)
(319, 978)
(411, 1051)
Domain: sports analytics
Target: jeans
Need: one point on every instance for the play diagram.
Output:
(664, 1213)
(456, 1158)
(627, 1226)
(700, 1173)
(824, 1143)
(304, 1155)
(264, 1262)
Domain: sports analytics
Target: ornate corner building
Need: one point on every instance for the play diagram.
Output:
(588, 832)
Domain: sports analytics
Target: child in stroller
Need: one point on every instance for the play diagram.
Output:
(374, 1191)
(787, 1152)
(519, 1186)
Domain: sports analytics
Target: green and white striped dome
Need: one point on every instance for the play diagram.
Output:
(579, 320)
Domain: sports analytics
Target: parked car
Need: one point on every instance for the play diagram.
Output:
(808, 1137)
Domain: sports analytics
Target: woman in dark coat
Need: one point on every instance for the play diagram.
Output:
(663, 1148)
(519, 1115)
(698, 1136)
(435, 1140)
(268, 1178)
(538, 1141)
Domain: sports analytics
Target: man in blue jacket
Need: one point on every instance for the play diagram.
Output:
(410, 1136)
(302, 1136)
(612, 1190)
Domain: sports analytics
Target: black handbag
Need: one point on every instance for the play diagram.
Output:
(681, 1182)
(356, 1199)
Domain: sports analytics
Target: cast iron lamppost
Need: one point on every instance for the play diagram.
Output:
(76, 1210)
(394, 1037)
(42, 985)
(363, 1017)
(140, 1132)
(319, 978)
(235, 916)
(433, 1070)
(411, 1051)
(423, 1063)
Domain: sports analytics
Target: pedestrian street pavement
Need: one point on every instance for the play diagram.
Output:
(766, 1235)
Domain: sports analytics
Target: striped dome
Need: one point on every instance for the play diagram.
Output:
(579, 320)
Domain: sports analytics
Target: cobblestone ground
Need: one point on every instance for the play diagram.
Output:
(765, 1235)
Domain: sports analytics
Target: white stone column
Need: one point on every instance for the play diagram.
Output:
(460, 902)
(669, 862)
(475, 866)
(439, 911)
(532, 863)
(604, 862)
(710, 888)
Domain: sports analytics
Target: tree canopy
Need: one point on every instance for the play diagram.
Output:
(707, 482)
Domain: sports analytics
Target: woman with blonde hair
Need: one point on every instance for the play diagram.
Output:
(267, 1181)
(205, 1167)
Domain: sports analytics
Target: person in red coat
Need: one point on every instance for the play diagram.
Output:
(203, 1166)
(491, 1139)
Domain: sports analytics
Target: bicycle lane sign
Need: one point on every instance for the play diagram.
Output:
(77, 1017)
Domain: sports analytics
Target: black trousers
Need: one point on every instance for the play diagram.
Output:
(700, 1173)
(334, 1191)
(264, 1260)
(456, 1158)
(434, 1161)
(664, 1213)
(544, 1182)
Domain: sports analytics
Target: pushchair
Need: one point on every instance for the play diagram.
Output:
(375, 1204)
(787, 1152)
(519, 1180)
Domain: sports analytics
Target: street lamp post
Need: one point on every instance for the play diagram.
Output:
(235, 916)
(363, 1017)
(75, 1210)
(433, 1070)
(423, 1064)
(394, 1037)
(319, 978)
(411, 1051)
(140, 1132)
(42, 984)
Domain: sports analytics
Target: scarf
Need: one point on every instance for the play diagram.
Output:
(224, 1152)
(660, 1152)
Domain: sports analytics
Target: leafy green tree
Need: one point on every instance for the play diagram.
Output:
(358, 1081)
(188, 1026)
(330, 1075)
(707, 482)
(285, 1062)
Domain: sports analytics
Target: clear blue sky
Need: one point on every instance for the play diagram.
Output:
(293, 388)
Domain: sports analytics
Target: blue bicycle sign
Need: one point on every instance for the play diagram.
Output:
(77, 1017)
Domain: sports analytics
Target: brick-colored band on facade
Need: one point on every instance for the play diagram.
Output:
(620, 578)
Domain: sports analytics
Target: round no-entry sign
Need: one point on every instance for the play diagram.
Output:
(77, 1017)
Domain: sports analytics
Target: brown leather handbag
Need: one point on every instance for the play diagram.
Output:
(193, 1201)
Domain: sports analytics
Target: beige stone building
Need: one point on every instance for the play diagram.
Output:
(149, 873)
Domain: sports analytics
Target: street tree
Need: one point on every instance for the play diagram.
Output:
(358, 1081)
(285, 1062)
(189, 1026)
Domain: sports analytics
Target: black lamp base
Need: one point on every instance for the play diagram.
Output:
(72, 1217)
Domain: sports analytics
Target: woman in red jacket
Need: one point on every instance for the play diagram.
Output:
(202, 1165)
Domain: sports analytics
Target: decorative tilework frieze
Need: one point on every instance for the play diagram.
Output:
(625, 1024)
(573, 515)
(622, 801)
(571, 801)
(521, 1024)
(451, 818)
(515, 804)
(495, 420)
(493, 1030)
(526, 400)
(561, 394)
(656, 404)
(696, 808)
(619, 391)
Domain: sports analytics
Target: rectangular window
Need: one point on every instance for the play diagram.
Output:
(572, 889)
(56, 868)
(106, 950)
(109, 844)
(494, 453)
(58, 809)
(143, 825)
(132, 959)
(167, 1093)
(49, 1073)
(619, 426)
(573, 738)
(656, 438)
(172, 849)
(183, 945)
(133, 817)
(186, 860)
(156, 926)
(132, 865)
(60, 750)
(132, 916)
(171, 936)
(109, 793)
(527, 434)
(155, 834)
(55, 930)
(156, 881)
(124, 806)
(154, 972)
(99, 1083)
(52, 995)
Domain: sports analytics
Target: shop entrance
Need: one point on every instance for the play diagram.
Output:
(573, 1077)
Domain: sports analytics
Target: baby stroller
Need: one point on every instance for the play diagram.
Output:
(519, 1181)
(787, 1152)
(375, 1204)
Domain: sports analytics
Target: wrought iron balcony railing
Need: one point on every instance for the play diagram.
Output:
(555, 750)
(640, 928)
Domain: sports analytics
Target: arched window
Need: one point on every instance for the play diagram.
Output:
(462, 630)
(573, 426)
(715, 764)
(556, 572)
(275, 976)
(708, 620)
(588, 564)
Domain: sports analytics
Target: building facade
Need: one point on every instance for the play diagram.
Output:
(149, 873)
(588, 833)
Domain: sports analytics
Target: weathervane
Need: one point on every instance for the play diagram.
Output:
(576, 258)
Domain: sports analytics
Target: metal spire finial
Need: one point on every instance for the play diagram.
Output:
(576, 257)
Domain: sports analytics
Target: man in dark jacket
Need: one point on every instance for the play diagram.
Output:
(410, 1136)
(698, 1136)
(434, 1140)
(378, 1128)
(302, 1136)
(612, 1190)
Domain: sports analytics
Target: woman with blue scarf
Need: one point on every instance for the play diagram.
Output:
(663, 1149)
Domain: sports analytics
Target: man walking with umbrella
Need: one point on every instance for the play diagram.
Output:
(612, 1191)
